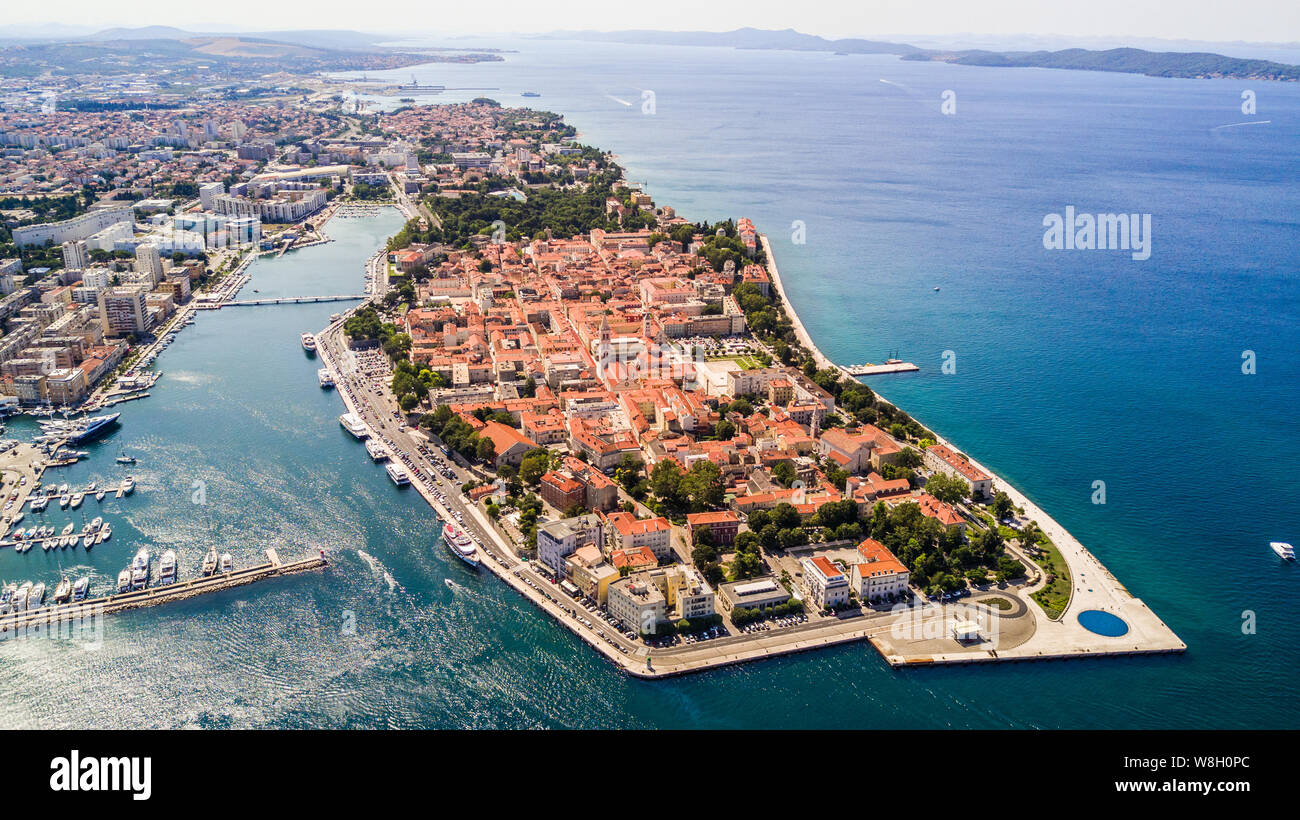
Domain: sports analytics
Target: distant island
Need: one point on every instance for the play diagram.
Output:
(1188, 65)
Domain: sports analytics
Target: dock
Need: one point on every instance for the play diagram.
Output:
(153, 596)
(869, 369)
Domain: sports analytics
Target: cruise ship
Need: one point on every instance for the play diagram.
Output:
(354, 425)
(376, 450)
(309, 343)
(459, 542)
(326, 380)
(397, 474)
(80, 430)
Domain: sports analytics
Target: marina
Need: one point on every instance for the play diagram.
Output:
(34, 618)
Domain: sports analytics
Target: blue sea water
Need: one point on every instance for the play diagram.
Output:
(1072, 367)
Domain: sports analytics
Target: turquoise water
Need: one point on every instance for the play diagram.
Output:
(1071, 369)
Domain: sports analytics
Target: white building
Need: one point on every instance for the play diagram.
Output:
(76, 256)
(824, 583)
(79, 227)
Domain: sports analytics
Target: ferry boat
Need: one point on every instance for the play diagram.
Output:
(167, 567)
(354, 425)
(397, 474)
(210, 562)
(326, 380)
(460, 543)
(1284, 550)
(123, 581)
(309, 343)
(63, 592)
(227, 563)
(376, 450)
(81, 589)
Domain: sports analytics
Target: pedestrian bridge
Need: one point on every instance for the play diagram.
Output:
(287, 300)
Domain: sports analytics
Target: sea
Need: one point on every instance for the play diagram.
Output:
(905, 202)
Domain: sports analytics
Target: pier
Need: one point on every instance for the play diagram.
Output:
(870, 369)
(152, 596)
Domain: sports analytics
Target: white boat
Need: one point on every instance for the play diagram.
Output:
(64, 499)
(141, 559)
(19, 599)
(99, 495)
(376, 450)
(397, 474)
(308, 342)
(123, 580)
(1284, 550)
(106, 533)
(326, 380)
(77, 499)
(81, 588)
(139, 578)
(40, 504)
(68, 529)
(167, 567)
(460, 543)
(37, 596)
(97, 522)
(88, 541)
(63, 591)
(63, 489)
(227, 563)
(210, 562)
(354, 425)
(128, 486)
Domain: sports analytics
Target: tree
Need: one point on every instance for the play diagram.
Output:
(534, 465)
(946, 488)
(1001, 505)
(724, 430)
(784, 473)
(485, 450)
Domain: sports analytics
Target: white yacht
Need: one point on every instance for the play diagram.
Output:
(128, 486)
(210, 562)
(63, 591)
(397, 473)
(123, 581)
(37, 596)
(81, 589)
(1284, 550)
(308, 342)
(227, 563)
(76, 500)
(354, 425)
(167, 567)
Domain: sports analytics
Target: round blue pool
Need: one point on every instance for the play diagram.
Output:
(1102, 623)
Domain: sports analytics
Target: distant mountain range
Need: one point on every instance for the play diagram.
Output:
(1124, 60)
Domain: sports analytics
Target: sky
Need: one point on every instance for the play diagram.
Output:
(1210, 20)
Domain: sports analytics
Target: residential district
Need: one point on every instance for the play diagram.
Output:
(633, 425)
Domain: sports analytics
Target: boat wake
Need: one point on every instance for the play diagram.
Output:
(378, 570)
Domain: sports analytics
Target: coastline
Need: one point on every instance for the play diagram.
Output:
(1109, 595)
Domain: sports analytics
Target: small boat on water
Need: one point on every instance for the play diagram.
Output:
(77, 498)
(326, 380)
(97, 522)
(63, 592)
(210, 562)
(99, 495)
(37, 596)
(81, 589)
(125, 459)
(123, 581)
(88, 541)
(1284, 550)
(68, 529)
(128, 486)
(64, 499)
(106, 533)
(167, 567)
(63, 489)
(227, 563)
(309, 343)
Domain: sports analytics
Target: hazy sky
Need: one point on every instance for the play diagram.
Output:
(1252, 20)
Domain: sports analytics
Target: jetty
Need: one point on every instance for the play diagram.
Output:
(153, 596)
(891, 366)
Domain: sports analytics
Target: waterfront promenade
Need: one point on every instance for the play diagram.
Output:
(1095, 588)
